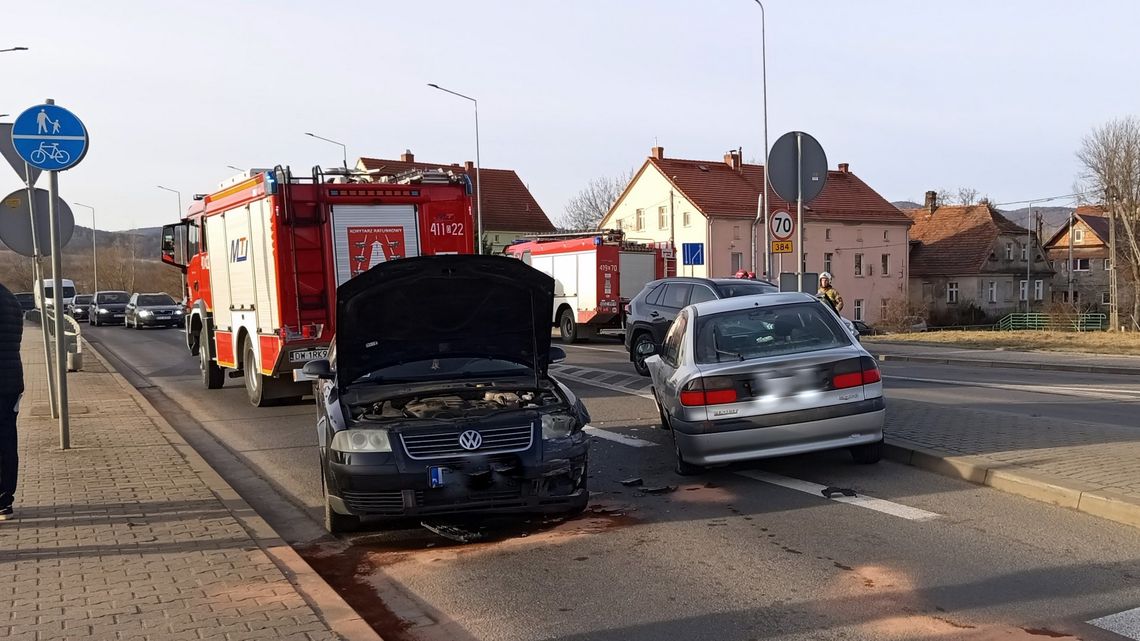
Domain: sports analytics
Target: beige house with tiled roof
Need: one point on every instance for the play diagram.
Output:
(963, 256)
(1089, 267)
(509, 210)
(849, 230)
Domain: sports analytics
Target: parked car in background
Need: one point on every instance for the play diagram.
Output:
(866, 330)
(652, 310)
(764, 376)
(81, 308)
(27, 300)
(436, 398)
(153, 310)
(108, 307)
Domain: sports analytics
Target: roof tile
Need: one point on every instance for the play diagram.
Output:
(955, 239)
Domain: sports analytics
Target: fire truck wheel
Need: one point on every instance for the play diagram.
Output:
(568, 326)
(254, 381)
(212, 376)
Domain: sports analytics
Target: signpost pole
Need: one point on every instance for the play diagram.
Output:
(799, 212)
(38, 275)
(57, 294)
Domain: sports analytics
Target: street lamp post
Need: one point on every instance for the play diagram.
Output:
(765, 208)
(94, 252)
(179, 194)
(343, 147)
(478, 164)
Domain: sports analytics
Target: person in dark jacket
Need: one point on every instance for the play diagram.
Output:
(11, 389)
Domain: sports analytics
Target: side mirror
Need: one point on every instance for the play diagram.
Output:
(646, 349)
(319, 368)
(557, 354)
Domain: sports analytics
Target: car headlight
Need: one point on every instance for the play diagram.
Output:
(178, 312)
(362, 440)
(556, 426)
(144, 313)
(103, 310)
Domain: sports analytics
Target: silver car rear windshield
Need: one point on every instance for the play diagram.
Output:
(761, 332)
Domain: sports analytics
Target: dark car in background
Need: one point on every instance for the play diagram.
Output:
(81, 308)
(153, 310)
(108, 307)
(27, 300)
(652, 311)
(436, 399)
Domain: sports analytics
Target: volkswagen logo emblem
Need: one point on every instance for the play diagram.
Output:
(470, 440)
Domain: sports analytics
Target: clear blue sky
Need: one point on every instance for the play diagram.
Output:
(914, 95)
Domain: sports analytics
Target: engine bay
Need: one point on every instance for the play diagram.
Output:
(456, 404)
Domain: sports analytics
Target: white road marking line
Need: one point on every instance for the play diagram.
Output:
(624, 439)
(597, 349)
(1083, 392)
(1126, 624)
(878, 505)
(596, 383)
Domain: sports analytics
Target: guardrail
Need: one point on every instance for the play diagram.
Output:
(1050, 322)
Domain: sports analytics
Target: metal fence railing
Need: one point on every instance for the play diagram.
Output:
(1052, 322)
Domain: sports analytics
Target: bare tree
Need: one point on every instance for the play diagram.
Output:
(1111, 156)
(967, 196)
(964, 196)
(590, 206)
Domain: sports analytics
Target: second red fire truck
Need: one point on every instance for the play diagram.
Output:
(264, 254)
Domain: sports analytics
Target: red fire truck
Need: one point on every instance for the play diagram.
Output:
(263, 257)
(595, 275)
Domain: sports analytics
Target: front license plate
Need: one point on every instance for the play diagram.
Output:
(308, 355)
(120, 315)
(435, 476)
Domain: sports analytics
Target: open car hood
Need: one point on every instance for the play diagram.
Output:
(417, 309)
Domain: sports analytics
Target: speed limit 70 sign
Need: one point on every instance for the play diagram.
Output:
(782, 225)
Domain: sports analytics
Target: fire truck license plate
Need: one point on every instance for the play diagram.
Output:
(307, 355)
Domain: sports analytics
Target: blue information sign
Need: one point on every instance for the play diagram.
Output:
(49, 137)
(692, 253)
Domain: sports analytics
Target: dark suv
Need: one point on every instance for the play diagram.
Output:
(652, 311)
(436, 399)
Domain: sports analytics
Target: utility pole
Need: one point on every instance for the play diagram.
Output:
(1069, 268)
(1028, 255)
(1114, 306)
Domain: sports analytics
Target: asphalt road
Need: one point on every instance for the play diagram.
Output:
(747, 552)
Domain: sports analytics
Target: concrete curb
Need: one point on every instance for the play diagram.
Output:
(1057, 367)
(340, 617)
(1013, 479)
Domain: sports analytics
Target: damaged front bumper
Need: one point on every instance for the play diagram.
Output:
(547, 478)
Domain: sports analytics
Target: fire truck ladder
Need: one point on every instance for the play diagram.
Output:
(307, 246)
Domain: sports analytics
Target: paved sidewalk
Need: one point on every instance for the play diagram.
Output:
(1093, 468)
(949, 354)
(128, 536)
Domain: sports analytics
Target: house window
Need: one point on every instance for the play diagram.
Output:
(858, 264)
(1038, 290)
(737, 261)
(736, 232)
(885, 265)
(858, 309)
(685, 219)
(886, 235)
(1104, 298)
(1078, 235)
(1023, 290)
(1024, 253)
(1107, 264)
(803, 267)
(827, 261)
(827, 234)
(662, 220)
(1053, 265)
(1080, 264)
(884, 308)
(1009, 251)
(952, 292)
(639, 222)
(859, 235)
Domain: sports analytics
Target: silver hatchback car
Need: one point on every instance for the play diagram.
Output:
(765, 376)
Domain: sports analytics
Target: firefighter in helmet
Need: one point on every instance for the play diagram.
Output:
(829, 294)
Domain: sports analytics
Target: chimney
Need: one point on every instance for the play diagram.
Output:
(407, 156)
(469, 165)
(931, 201)
(732, 159)
(657, 152)
(844, 168)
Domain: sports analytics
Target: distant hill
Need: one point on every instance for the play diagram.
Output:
(145, 240)
(906, 204)
(1052, 218)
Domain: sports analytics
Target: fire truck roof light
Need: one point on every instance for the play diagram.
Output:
(597, 240)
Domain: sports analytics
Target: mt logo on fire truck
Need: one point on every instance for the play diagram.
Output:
(239, 250)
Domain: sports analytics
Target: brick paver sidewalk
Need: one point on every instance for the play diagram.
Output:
(120, 538)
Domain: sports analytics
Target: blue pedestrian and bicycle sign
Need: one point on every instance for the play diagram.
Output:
(692, 253)
(49, 137)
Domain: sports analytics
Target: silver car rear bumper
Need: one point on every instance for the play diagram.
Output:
(700, 446)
